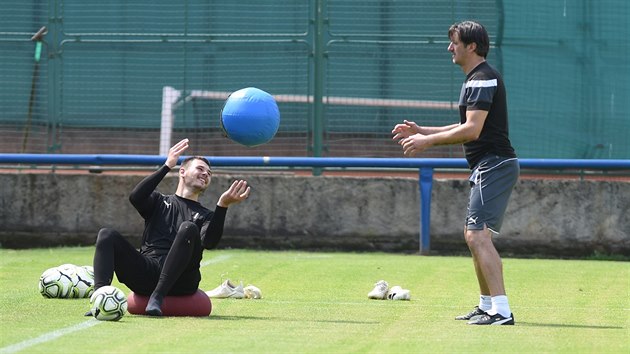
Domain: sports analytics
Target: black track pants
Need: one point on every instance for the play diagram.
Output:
(176, 273)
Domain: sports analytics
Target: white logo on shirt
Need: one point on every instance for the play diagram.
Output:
(481, 83)
(168, 205)
(472, 220)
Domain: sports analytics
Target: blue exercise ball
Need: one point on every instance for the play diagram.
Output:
(250, 117)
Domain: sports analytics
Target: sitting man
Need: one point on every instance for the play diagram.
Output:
(177, 229)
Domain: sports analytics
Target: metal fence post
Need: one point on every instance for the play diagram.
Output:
(318, 73)
(426, 185)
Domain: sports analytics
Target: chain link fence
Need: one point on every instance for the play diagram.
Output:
(344, 72)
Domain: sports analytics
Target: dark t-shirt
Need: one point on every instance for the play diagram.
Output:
(484, 90)
(163, 215)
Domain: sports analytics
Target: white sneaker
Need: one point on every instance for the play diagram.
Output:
(398, 293)
(380, 290)
(252, 292)
(227, 290)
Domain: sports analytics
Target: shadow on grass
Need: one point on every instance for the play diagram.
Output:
(272, 318)
(532, 324)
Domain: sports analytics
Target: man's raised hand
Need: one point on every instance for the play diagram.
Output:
(238, 191)
(175, 152)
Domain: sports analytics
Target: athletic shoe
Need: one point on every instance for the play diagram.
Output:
(153, 311)
(380, 290)
(154, 306)
(252, 292)
(227, 290)
(398, 293)
(472, 315)
(88, 314)
(495, 320)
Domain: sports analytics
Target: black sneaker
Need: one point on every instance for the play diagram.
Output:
(88, 314)
(495, 320)
(472, 315)
(153, 311)
(154, 306)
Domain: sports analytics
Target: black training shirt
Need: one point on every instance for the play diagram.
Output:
(484, 90)
(163, 214)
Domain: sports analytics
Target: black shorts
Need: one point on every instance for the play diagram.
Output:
(491, 182)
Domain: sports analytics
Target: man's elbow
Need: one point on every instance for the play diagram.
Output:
(471, 136)
(210, 246)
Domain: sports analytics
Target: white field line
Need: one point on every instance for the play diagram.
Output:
(215, 260)
(47, 337)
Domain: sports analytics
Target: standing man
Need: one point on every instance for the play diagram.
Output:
(483, 130)
(177, 229)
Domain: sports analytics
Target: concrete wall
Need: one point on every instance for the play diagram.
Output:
(545, 217)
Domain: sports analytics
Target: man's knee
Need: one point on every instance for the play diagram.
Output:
(106, 235)
(188, 232)
(188, 227)
(477, 238)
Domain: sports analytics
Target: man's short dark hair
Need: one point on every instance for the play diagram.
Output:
(188, 159)
(472, 32)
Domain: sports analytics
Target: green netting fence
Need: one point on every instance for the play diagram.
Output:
(111, 74)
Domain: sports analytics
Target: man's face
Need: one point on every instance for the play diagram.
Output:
(458, 49)
(196, 175)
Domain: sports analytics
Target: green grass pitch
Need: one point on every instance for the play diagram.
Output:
(317, 303)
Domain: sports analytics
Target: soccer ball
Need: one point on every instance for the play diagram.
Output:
(67, 268)
(54, 283)
(82, 283)
(108, 303)
(89, 270)
(250, 117)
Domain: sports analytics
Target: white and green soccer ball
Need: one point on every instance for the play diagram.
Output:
(55, 283)
(89, 270)
(108, 303)
(67, 268)
(82, 282)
